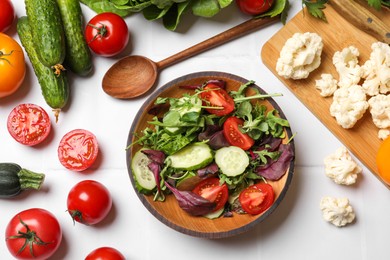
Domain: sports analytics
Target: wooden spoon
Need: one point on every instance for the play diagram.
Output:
(134, 75)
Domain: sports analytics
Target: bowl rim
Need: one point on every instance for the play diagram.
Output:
(155, 213)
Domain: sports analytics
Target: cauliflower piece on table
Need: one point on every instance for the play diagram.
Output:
(349, 105)
(347, 65)
(341, 167)
(337, 211)
(383, 134)
(300, 55)
(376, 70)
(327, 85)
(380, 110)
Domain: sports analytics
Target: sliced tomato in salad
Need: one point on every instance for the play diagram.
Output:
(215, 96)
(78, 149)
(211, 190)
(29, 124)
(257, 198)
(234, 136)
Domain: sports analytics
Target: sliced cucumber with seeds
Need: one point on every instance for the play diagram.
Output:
(192, 157)
(215, 214)
(232, 160)
(144, 177)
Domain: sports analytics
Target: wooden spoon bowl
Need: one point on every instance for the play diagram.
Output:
(168, 211)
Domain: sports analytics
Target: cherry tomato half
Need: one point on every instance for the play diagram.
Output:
(39, 229)
(254, 7)
(7, 15)
(28, 124)
(107, 34)
(233, 134)
(105, 253)
(89, 202)
(257, 198)
(12, 64)
(217, 97)
(78, 150)
(211, 190)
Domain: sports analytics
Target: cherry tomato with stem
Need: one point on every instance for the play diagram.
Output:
(254, 7)
(33, 234)
(257, 198)
(107, 34)
(12, 64)
(232, 133)
(89, 202)
(213, 191)
(214, 96)
(28, 124)
(7, 15)
(105, 253)
(78, 150)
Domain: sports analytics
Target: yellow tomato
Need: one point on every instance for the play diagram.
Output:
(12, 65)
(383, 160)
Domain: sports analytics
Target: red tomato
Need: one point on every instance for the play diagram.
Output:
(254, 7)
(29, 124)
(78, 150)
(89, 202)
(233, 134)
(217, 97)
(107, 34)
(34, 228)
(257, 198)
(211, 190)
(105, 253)
(7, 15)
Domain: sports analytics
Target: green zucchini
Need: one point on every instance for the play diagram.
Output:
(78, 56)
(55, 88)
(14, 179)
(47, 31)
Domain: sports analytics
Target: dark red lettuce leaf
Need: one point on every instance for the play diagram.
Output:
(191, 202)
(210, 169)
(155, 156)
(274, 170)
(215, 137)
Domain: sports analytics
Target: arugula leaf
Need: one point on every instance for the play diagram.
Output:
(315, 8)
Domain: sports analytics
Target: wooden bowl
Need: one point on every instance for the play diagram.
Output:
(168, 211)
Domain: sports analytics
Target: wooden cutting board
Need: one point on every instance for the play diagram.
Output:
(337, 34)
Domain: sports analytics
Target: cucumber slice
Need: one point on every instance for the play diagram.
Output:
(141, 172)
(215, 214)
(232, 160)
(192, 157)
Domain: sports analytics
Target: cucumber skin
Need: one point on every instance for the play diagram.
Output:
(55, 89)
(78, 55)
(47, 31)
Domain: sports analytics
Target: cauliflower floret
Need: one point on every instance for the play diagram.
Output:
(337, 211)
(341, 167)
(349, 105)
(376, 70)
(327, 85)
(346, 64)
(380, 110)
(300, 55)
(383, 134)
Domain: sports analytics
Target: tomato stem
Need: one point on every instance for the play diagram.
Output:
(30, 237)
(77, 214)
(101, 31)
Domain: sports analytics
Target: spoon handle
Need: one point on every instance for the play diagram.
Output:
(217, 40)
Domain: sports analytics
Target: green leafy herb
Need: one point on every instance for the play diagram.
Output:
(280, 7)
(315, 8)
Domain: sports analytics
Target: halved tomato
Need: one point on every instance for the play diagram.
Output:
(257, 198)
(233, 134)
(211, 190)
(78, 150)
(215, 96)
(28, 124)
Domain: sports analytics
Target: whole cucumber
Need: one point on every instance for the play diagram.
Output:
(14, 179)
(78, 56)
(55, 88)
(47, 31)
